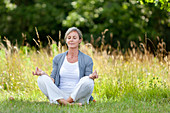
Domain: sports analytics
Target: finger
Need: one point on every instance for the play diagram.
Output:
(95, 72)
(37, 69)
(97, 76)
(38, 73)
(33, 72)
(42, 72)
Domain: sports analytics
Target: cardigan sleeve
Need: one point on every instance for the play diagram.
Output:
(89, 67)
(55, 67)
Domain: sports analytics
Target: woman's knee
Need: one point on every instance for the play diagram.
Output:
(42, 78)
(87, 81)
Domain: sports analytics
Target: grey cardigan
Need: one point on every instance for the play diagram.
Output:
(85, 66)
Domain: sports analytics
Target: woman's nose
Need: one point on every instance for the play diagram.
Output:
(71, 39)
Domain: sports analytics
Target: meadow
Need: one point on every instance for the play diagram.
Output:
(130, 82)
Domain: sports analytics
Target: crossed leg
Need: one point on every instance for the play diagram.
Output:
(81, 93)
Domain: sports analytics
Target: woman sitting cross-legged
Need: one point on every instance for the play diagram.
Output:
(72, 80)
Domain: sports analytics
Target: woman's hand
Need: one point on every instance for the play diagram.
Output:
(94, 75)
(38, 72)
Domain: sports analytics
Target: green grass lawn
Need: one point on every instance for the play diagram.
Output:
(133, 83)
(127, 106)
(37, 103)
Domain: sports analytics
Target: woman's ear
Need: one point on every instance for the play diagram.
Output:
(80, 40)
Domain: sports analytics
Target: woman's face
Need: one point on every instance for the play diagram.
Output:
(73, 40)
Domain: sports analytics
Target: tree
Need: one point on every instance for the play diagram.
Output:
(127, 20)
(47, 16)
(163, 4)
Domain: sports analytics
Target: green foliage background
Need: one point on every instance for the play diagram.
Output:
(126, 20)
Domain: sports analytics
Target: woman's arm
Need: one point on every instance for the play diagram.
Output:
(55, 67)
(88, 66)
(39, 72)
(89, 70)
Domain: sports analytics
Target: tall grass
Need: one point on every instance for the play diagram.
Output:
(142, 77)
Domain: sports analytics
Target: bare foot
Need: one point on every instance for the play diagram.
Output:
(64, 102)
(70, 100)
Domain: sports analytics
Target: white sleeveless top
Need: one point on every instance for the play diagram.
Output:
(69, 76)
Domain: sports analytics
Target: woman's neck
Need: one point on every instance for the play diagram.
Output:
(72, 53)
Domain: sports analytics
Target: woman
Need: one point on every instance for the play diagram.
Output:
(72, 78)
